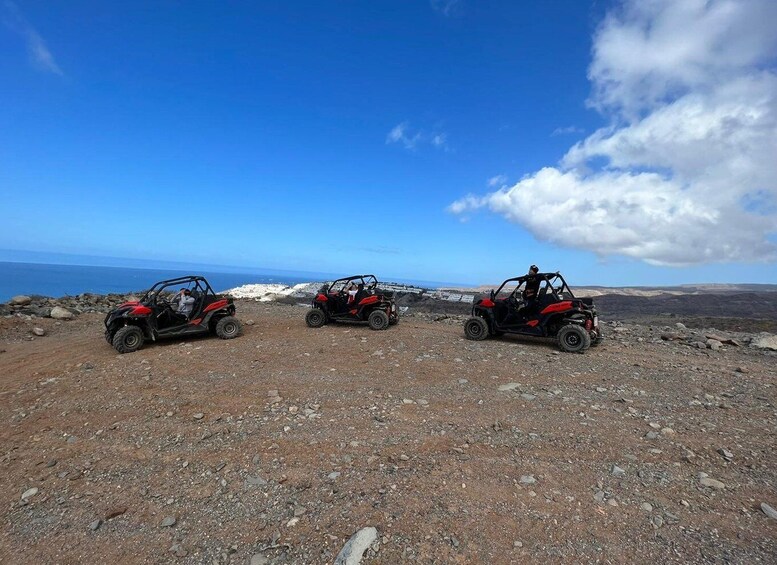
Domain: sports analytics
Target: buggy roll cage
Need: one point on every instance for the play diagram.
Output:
(550, 278)
(153, 292)
(369, 282)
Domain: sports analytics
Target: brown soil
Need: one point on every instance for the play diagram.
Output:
(433, 461)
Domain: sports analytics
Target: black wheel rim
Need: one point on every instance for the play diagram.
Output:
(572, 339)
(131, 340)
(474, 329)
(230, 328)
(316, 318)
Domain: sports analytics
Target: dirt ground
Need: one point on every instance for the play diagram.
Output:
(280, 444)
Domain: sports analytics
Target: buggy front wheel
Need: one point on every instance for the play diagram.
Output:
(128, 339)
(476, 329)
(315, 318)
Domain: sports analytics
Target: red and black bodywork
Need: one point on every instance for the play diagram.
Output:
(552, 311)
(156, 316)
(370, 304)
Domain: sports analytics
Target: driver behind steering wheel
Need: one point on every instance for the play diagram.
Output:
(185, 302)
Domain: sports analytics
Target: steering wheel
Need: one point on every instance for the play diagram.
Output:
(165, 304)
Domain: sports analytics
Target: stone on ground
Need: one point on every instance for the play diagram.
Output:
(352, 552)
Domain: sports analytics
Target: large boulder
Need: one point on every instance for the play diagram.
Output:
(765, 341)
(59, 313)
(20, 300)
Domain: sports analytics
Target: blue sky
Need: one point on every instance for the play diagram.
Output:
(450, 140)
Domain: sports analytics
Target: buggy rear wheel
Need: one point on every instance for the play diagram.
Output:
(476, 329)
(573, 339)
(227, 327)
(315, 318)
(378, 320)
(127, 339)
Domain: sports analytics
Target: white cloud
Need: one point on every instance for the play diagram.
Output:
(498, 180)
(411, 139)
(566, 130)
(690, 173)
(36, 46)
(447, 8)
(440, 140)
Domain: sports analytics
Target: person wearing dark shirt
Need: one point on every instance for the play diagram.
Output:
(530, 291)
(532, 285)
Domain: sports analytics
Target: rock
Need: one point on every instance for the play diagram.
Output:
(94, 526)
(20, 300)
(769, 511)
(249, 322)
(517, 543)
(333, 475)
(168, 522)
(527, 396)
(255, 480)
(599, 496)
(712, 483)
(29, 493)
(198, 416)
(354, 549)
(178, 550)
(652, 435)
(40, 332)
(680, 326)
(527, 480)
(667, 431)
(59, 313)
(713, 344)
(646, 506)
(658, 521)
(727, 455)
(115, 511)
(617, 472)
(463, 381)
(765, 341)
(259, 559)
(509, 386)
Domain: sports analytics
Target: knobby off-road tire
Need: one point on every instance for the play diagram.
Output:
(378, 320)
(315, 318)
(476, 329)
(573, 339)
(127, 339)
(227, 327)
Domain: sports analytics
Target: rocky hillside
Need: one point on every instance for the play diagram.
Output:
(279, 446)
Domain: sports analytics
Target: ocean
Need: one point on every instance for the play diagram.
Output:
(62, 280)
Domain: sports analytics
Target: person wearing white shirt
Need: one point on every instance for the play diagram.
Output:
(185, 302)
